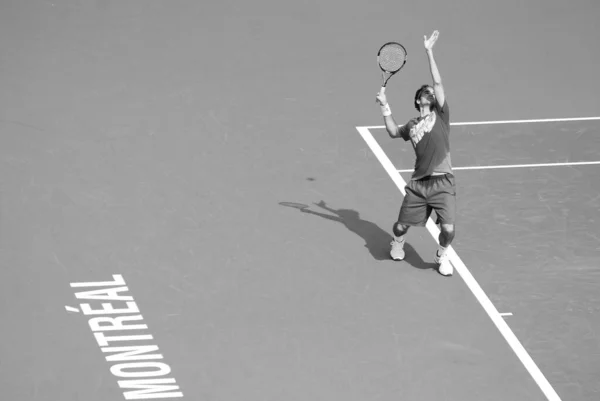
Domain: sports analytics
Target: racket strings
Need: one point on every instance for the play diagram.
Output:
(391, 58)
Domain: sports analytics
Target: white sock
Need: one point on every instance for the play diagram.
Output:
(441, 251)
(399, 239)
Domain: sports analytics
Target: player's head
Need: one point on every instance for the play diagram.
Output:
(425, 96)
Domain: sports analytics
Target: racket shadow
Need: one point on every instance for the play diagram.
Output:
(377, 240)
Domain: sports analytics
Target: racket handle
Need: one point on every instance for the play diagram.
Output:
(382, 91)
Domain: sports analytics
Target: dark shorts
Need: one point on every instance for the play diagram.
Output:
(425, 195)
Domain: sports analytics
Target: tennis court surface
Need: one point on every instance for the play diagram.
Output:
(196, 204)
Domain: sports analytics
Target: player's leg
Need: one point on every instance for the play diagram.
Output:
(446, 234)
(441, 258)
(442, 198)
(413, 212)
(397, 251)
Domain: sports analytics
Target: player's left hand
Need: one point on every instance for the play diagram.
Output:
(431, 41)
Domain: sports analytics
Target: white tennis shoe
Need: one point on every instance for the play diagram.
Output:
(397, 251)
(444, 266)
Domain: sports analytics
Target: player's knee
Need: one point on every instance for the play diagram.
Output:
(400, 229)
(448, 230)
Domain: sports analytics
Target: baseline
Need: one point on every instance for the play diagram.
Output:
(542, 120)
(565, 164)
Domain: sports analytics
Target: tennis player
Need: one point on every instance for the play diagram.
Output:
(432, 185)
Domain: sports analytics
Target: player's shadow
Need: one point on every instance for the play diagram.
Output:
(377, 240)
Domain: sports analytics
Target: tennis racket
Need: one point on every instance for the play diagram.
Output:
(391, 58)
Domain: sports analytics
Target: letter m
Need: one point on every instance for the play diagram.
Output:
(150, 388)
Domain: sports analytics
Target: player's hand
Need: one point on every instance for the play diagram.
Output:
(431, 41)
(381, 98)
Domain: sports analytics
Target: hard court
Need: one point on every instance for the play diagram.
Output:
(153, 155)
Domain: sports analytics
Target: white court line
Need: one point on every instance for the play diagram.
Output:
(543, 120)
(468, 278)
(515, 166)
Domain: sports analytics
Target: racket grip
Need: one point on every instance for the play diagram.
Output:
(382, 90)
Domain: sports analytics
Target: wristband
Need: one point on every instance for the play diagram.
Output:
(385, 110)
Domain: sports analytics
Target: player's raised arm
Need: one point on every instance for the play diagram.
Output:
(390, 124)
(438, 88)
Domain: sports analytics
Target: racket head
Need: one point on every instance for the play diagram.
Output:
(391, 57)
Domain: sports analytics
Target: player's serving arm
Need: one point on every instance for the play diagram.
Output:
(391, 126)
